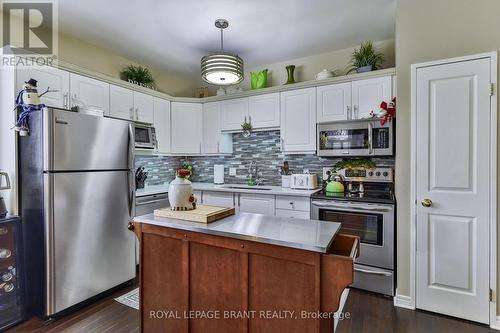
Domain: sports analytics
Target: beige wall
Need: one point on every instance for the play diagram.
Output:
(307, 67)
(429, 30)
(98, 59)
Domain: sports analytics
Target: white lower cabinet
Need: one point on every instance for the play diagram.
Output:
(256, 203)
(293, 207)
(222, 199)
(292, 214)
(186, 128)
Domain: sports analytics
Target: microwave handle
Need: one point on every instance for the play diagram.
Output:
(370, 138)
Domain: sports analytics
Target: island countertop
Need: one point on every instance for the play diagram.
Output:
(311, 235)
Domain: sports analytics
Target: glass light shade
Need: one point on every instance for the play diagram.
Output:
(222, 69)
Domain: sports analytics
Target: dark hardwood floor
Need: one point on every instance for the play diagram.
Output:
(369, 313)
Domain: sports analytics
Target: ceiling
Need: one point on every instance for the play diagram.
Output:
(174, 35)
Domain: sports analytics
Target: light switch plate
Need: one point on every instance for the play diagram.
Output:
(232, 171)
(325, 169)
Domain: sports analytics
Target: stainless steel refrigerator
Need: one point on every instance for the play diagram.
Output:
(77, 193)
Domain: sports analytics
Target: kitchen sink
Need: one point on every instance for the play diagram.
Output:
(244, 187)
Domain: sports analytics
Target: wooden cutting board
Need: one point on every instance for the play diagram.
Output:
(202, 213)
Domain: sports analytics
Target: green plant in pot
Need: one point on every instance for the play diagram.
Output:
(366, 59)
(247, 128)
(354, 164)
(137, 74)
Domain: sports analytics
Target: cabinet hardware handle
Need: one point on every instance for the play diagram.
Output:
(130, 226)
(242, 246)
(282, 144)
(218, 147)
(185, 235)
(356, 112)
(349, 114)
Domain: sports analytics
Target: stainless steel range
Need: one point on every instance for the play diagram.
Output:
(366, 209)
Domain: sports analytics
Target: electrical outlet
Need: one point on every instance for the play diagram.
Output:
(325, 169)
(232, 171)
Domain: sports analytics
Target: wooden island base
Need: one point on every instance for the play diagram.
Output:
(195, 282)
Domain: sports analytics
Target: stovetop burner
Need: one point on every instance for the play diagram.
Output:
(376, 193)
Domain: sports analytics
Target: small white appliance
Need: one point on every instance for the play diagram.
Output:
(303, 181)
(218, 174)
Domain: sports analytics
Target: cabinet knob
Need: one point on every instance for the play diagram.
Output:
(130, 226)
(185, 236)
(242, 246)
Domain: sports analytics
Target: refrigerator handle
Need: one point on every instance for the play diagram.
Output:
(131, 146)
(131, 193)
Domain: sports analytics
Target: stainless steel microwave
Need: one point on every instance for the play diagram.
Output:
(365, 137)
(145, 136)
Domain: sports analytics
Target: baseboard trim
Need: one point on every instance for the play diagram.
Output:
(495, 323)
(403, 301)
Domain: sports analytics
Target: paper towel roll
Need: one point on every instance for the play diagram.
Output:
(218, 174)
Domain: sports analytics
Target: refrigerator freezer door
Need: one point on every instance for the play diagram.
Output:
(81, 142)
(89, 248)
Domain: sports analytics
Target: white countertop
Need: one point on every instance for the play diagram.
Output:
(311, 235)
(271, 190)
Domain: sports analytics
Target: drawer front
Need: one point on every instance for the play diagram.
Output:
(292, 213)
(293, 203)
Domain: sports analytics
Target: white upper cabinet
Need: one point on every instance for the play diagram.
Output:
(121, 103)
(234, 112)
(334, 102)
(186, 127)
(264, 110)
(162, 124)
(298, 120)
(89, 92)
(143, 107)
(214, 141)
(368, 94)
(54, 78)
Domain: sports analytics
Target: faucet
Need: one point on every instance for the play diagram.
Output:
(253, 174)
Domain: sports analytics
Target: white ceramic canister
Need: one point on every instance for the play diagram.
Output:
(180, 194)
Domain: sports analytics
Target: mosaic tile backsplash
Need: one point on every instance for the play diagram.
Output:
(261, 147)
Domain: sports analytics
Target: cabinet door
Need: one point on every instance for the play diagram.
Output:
(222, 199)
(298, 120)
(211, 143)
(234, 112)
(89, 92)
(121, 102)
(334, 102)
(256, 203)
(143, 107)
(264, 110)
(368, 94)
(54, 78)
(186, 128)
(161, 109)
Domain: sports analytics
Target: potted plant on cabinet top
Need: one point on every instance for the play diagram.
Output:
(366, 59)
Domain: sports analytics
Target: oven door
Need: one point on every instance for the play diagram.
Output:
(372, 223)
(144, 137)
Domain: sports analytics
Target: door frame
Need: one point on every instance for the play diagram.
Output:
(410, 301)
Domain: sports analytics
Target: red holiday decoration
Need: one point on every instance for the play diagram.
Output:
(388, 111)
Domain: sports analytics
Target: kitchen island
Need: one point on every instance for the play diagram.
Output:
(244, 273)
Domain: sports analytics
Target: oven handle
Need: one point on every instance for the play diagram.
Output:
(376, 208)
(368, 271)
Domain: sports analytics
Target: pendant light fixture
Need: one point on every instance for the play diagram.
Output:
(222, 68)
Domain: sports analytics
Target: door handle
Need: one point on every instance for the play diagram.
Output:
(426, 202)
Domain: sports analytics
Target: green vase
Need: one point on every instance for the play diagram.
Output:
(290, 69)
(258, 79)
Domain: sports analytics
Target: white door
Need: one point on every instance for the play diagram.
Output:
(234, 112)
(121, 102)
(453, 171)
(143, 107)
(162, 124)
(186, 128)
(368, 94)
(211, 128)
(334, 102)
(264, 110)
(87, 92)
(298, 120)
(48, 77)
(256, 203)
(222, 199)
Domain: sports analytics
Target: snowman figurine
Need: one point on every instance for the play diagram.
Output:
(27, 101)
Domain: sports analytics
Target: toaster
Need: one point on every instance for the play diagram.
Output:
(303, 181)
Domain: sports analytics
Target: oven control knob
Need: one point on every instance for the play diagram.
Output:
(377, 174)
(385, 174)
(370, 173)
